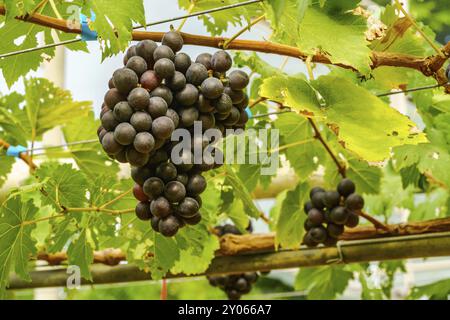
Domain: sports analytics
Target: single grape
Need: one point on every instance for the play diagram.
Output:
(196, 185)
(158, 156)
(124, 134)
(187, 96)
(139, 194)
(318, 200)
(196, 74)
(139, 99)
(163, 92)
(182, 62)
(137, 64)
(212, 88)
(205, 59)
(108, 120)
(318, 234)
(309, 241)
(352, 220)
(331, 199)
(335, 230)
(223, 104)
(141, 121)
(308, 225)
(160, 207)
(110, 145)
(145, 49)
(188, 116)
(157, 107)
(175, 191)
(164, 68)
(111, 83)
(315, 190)
(188, 208)
(163, 127)
(354, 202)
(221, 61)
(150, 80)
(163, 52)
(153, 187)
(166, 171)
(183, 178)
(177, 82)
(244, 103)
(123, 111)
(174, 40)
(315, 216)
(339, 215)
(137, 159)
(169, 226)
(346, 187)
(238, 80)
(144, 142)
(143, 211)
(125, 80)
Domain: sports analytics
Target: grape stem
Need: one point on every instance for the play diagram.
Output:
(242, 31)
(376, 223)
(257, 101)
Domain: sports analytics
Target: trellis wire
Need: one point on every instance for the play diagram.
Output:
(62, 145)
(195, 14)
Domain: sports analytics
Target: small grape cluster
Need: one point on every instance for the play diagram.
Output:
(234, 285)
(159, 90)
(329, 211)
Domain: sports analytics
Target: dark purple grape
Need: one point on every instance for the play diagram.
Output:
(346, 187)
(221, 61)
(173, 40)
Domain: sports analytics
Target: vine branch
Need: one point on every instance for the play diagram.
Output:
(429, 66)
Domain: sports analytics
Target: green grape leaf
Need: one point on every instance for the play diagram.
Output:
(81, 254)
(65, 186)
(312, 34)
(16, 242)
(302, 148)
(198, 249)
(114, 22)
(17, 35)
(256, 64)
(366, 125)
(429, 159)
(15, 8)
(89, 156)
(165, 253)
(289, 227)
(439, 290)
(294, 92)
(323, 283)
(5, 167)
(240, 190)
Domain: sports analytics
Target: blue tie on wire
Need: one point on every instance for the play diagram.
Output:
(15, 151)
(86, 33)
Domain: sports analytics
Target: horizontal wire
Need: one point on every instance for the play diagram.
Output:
(62, 145)
(199, 13)
(47, 46)
(410, 90)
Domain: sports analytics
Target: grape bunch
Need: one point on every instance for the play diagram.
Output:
(234, 285)
(329, 212)
(158, 91)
